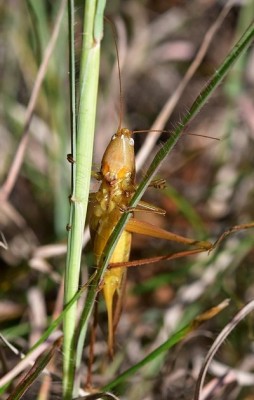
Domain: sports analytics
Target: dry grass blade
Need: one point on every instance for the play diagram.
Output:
(168, 108)
(205, 316)
(220, 339)
(244, 378)
(37, 313)
(19, 156)
(56, 250)
(10, 346)
(191, 292)
(34, 372)
(26, 362)
(3, 242)
(232, 230)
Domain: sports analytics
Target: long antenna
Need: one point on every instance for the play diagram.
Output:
(119, 73)
(165, 131)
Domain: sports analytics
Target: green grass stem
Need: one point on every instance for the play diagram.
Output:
(88, 87)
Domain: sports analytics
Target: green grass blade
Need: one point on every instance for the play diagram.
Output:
(174, 339)
(177, 337)
(216, 79)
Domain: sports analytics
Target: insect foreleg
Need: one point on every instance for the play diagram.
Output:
(158, 184)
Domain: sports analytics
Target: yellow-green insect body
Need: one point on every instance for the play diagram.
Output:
(117, 175)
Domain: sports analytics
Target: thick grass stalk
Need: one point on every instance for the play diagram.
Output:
(83, 150)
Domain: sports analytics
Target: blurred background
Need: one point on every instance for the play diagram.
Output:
(210, 183)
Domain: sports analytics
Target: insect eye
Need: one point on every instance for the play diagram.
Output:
(113, 137)
(131, 142)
